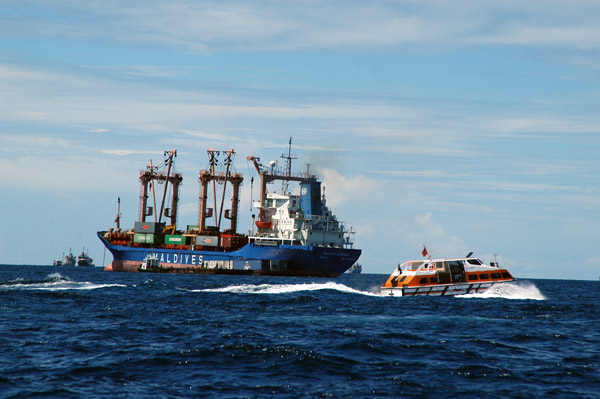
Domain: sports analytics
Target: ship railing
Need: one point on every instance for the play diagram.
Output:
(282, 173)
(273, 241)
(332, 225)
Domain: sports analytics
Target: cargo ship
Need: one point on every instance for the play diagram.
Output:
(439, 277)
(294, 234)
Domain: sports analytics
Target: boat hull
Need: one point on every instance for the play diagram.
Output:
(441, 289)
(281, 260)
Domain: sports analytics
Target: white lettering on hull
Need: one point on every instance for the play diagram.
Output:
(184, 259)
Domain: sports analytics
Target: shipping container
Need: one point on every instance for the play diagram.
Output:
(149, 227)
(207, 241)
(176, 239)
(139, 238)
(226, 241)
(145, 238)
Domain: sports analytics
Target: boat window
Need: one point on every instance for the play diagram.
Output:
(415, 265)
(506, 275)
(472, 277)
(439, 265)
(423, 280)
(404, 266)
(484, 276)
(433, 279)
(495, 275)
(395, 281)
(475, 261)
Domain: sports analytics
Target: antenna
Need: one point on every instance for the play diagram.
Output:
(118, 218)
(288, 166)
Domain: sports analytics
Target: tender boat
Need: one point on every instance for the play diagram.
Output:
(438, 277)
(151, 264)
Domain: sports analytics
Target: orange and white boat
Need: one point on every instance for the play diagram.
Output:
(438, 277)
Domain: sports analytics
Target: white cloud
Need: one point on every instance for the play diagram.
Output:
(583, 38)
(339, 189)
(542, 124)
(439, 242)
(92, 100)
(124, 152)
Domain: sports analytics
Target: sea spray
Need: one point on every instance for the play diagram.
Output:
(515, 290)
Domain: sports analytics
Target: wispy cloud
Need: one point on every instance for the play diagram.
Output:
(123, 152)
(264, 25)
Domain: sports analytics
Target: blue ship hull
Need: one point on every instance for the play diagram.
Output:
(282, 260)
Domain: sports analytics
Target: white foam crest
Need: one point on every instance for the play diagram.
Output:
(57, 282)
(514, 290)
(285, 288)
(56, 277)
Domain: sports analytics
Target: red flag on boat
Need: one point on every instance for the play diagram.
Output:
(424, 251)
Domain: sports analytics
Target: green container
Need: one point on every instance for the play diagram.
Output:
(175, 239)
(145, 238)
(151, 238)
(139, 238)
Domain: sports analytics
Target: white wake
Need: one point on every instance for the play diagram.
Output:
(55, 282)
(286, 288)
(514, 290)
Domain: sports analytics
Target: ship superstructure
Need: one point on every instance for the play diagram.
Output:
(296, 233)
(301, 218)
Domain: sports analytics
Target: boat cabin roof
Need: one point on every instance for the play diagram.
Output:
(471, 261)
(427, 265)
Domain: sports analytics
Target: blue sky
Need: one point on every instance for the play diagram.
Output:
(464, 125)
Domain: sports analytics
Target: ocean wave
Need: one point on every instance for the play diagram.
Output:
(53, 282)
(285, 288)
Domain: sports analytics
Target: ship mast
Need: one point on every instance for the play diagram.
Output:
(118, 218)
(206, 176)
(149, 176)
(288, 167)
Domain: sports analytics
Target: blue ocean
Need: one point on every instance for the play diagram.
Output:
(72, 332)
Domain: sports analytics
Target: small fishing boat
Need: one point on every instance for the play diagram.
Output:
(84, 259)
(436, 277)
(151, 263)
